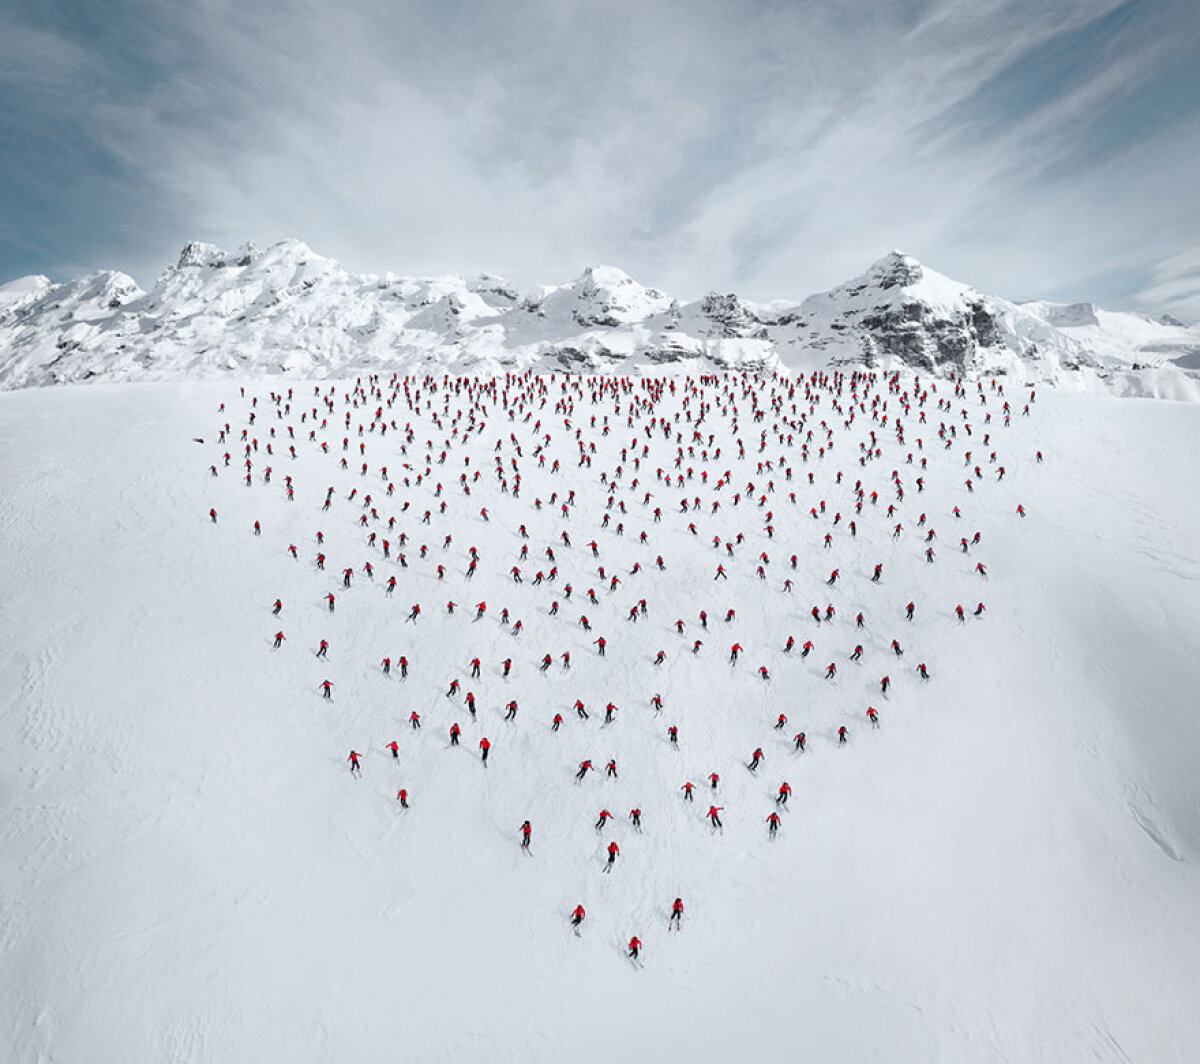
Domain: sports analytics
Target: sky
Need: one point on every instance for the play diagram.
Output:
(774, 149)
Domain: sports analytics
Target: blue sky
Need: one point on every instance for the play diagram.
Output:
(769, 148)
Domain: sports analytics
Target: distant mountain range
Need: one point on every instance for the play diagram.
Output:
(287, 310)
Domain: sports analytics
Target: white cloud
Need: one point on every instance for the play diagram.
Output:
(771, 148)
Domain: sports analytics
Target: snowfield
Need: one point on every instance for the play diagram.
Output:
(1004, 870)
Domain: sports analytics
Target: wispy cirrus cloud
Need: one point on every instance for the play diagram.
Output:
(771, 148)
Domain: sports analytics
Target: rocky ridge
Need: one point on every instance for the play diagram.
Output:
(285, 310)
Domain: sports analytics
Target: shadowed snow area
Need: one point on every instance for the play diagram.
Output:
(1003, 870)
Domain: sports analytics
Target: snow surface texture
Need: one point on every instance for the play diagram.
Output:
(1003, 871)
(288, 311)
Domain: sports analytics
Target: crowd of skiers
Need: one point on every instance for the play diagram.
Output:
(723, 444)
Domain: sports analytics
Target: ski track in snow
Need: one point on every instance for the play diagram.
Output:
(188, 872)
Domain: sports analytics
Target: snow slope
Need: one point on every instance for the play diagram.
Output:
(1004, 871)
(287, 311)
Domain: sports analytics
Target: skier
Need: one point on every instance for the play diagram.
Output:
(402, 797)
(635, 818)
(327, 689)
(772, 823)
(611, 768)
(277, 607)
(714, 778)
(577, 916)
(873, 716)
(687, 789)
(323, 649)
(842, 735)
(279, 638)
(676, 914)
(785, 790)
(414, 720)
(526, 834)
(557, 723)
(755, 759)
(355, 768)
(455, 732)
(613, 851)
(733, 653)
(800, 741)
(584, 767)
(713, 811)
(484, 748)
(395, 749)
(603, 819)
(635, 945)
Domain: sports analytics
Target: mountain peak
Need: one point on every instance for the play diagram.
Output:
(199, 253)
(896, 268)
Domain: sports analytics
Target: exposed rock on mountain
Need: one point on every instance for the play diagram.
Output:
(287, 310)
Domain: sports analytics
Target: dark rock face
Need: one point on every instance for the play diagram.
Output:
(896, 269)
(728, 315)
(925, 341)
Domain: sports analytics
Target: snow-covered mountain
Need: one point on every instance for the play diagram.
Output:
(288, 310)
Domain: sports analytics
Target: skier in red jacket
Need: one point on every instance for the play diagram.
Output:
(355, 768)
(484, 748)
(613, 852)
(676, 914)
